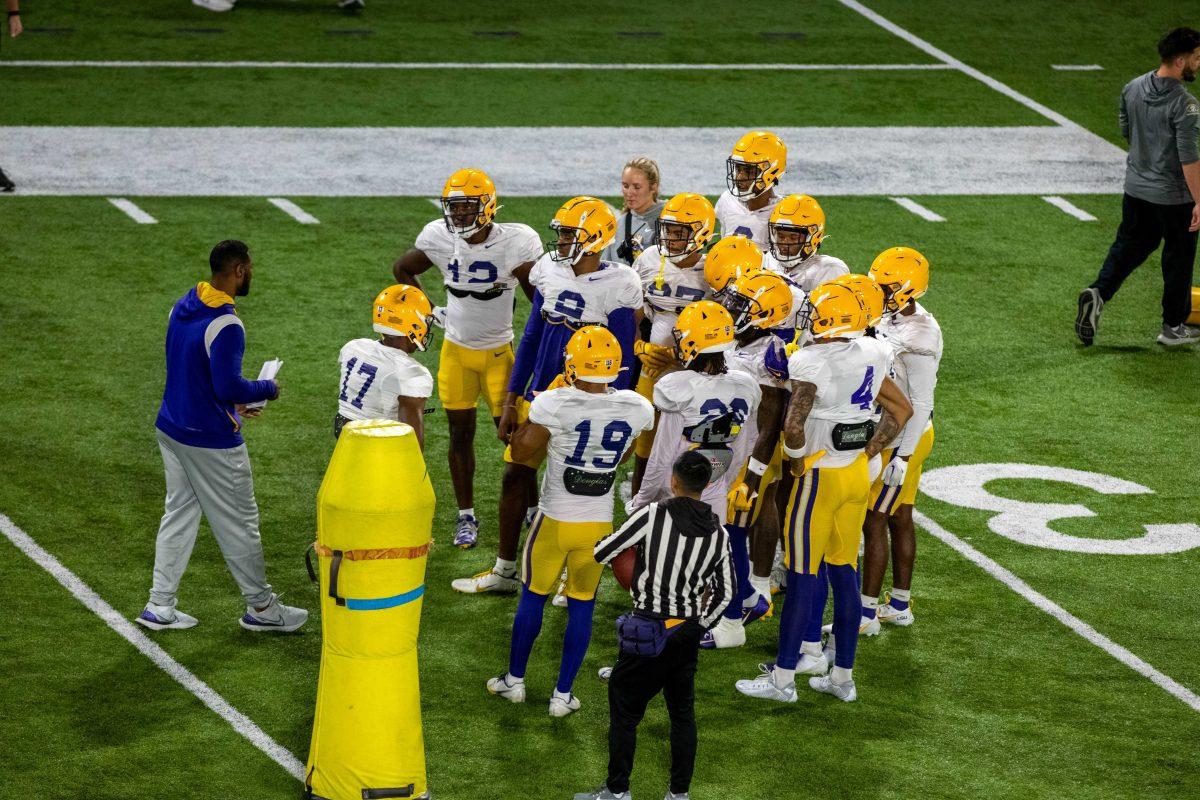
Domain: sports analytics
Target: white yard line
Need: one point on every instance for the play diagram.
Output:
(1129, 659)
(918, 209)
(437, 201)
(1069, 207)
(946, 58)
(131, 209)
(149, 648)
(1077, 67)
(294, 211)
(434, 65)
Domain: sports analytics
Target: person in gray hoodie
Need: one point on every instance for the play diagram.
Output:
(1161, 121)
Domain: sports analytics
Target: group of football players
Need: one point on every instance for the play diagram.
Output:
(809, 388)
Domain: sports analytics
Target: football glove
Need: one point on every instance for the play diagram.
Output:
(439, 316)
(775, 359)
(874, 467)
(740, 498)
(894, 472)
(654, 357)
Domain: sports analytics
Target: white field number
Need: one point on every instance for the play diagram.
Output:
(1029, 522)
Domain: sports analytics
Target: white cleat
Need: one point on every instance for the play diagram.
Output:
(275, 617)
(764, 687)
(869, 626)
(215, 5)
(842, 691)
(727, 633)
(894, 616)
(604, 673)
(511, 689)
(813, 665)
(161, 618)
(563, 706)
(487, 581)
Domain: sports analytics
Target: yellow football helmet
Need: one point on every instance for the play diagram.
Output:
(702, 327)
(761, 300)
(836, 311)
(758, 160)
(468, 202)
(797, 225)
(730, 259)
(593, 354)
(403, 310)
(685, 226)
(587, 224)
(903, 274)
(868, 291)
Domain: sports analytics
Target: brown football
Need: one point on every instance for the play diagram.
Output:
(622, 567)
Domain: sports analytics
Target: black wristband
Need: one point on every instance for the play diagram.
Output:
(12, 14)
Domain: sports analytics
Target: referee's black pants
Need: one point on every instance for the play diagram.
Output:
(1144, 225)
(634, 682)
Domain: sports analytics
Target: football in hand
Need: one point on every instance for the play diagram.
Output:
(622, 567)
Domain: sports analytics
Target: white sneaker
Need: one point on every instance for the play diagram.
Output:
(563, 706)
(510, 689)
(160, 618)
(486, 581)
(764, 687)
(812, 665)
(842, 691)
(560, 594)
(275, 617)
(625, 491)
(215, 5)
(605, 673)
(869, 626)
(894, 616)
(727, 633)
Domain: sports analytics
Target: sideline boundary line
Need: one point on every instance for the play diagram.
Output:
(151, 649)
(434, 65)
(1043, 603)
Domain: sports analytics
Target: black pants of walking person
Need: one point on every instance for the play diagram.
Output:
(1144, 226)
(634, 682)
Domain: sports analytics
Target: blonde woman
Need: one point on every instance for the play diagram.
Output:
(638, 217)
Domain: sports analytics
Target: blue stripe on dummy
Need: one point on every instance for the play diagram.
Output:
(379, 603)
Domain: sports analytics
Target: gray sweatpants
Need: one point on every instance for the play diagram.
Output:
(218, 484)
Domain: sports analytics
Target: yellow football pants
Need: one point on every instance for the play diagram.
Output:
(465, 374)
(886, 499)
(824, 518)
(552, 543)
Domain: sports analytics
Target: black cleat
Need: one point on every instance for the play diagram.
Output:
(6, 185)
(351, 6)
(1088, 318)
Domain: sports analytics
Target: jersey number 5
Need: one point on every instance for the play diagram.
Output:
(614, 439)
(363, 369)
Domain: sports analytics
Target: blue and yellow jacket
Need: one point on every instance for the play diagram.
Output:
(205, 343)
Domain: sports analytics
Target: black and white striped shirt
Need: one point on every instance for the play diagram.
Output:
(683, 567)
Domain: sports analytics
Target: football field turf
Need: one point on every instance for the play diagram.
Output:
(987, 695)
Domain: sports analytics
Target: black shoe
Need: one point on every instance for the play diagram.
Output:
(5, 184)
(351, 6)
(1088, 318)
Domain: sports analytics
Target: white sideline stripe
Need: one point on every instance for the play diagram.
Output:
(149, 648)
(946, 58)
(130, 208)
(437, 201)
(1069, 207)
(427, 65)
(294, 211)
(1076, 67)
(918, 209)
(1126, 657)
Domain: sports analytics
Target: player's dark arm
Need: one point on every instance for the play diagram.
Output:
(521, 273)
(410, 265)
(529, 439)
(896, 413)
(770, 420)
(804, 394)
(412, 412)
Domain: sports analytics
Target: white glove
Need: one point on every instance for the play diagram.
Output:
(894, 474)
(874, 467)
(439, 316)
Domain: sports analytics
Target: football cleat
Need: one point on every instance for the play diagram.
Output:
(486, 581)
(869, 626)
(512, 690)
(672, 796)
(215, 5)
(813, 665)
(604, 673)
(842, 691)
(1178, 334)
(760, 609)
(764, 686)
(563, 706)
(466, 532)
(275, 617)
(603, 794)
(727, 633)
(1087, 319)
(160, 618)
(894, 616)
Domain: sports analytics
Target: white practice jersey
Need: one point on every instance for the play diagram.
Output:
(809, 273)
(472, 322)
(737, 220)
(680, 288)
(847, 376)
(916, 344)
(584, 299)
(588, 435)
(374, 375)
(688, 399)
(749, 358)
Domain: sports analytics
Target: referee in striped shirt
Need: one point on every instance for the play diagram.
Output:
(682, 576)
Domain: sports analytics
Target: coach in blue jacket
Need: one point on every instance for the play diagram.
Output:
(205, 459)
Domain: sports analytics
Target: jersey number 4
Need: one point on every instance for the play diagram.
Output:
(363, 369)
(862, 396)
(614, 439)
